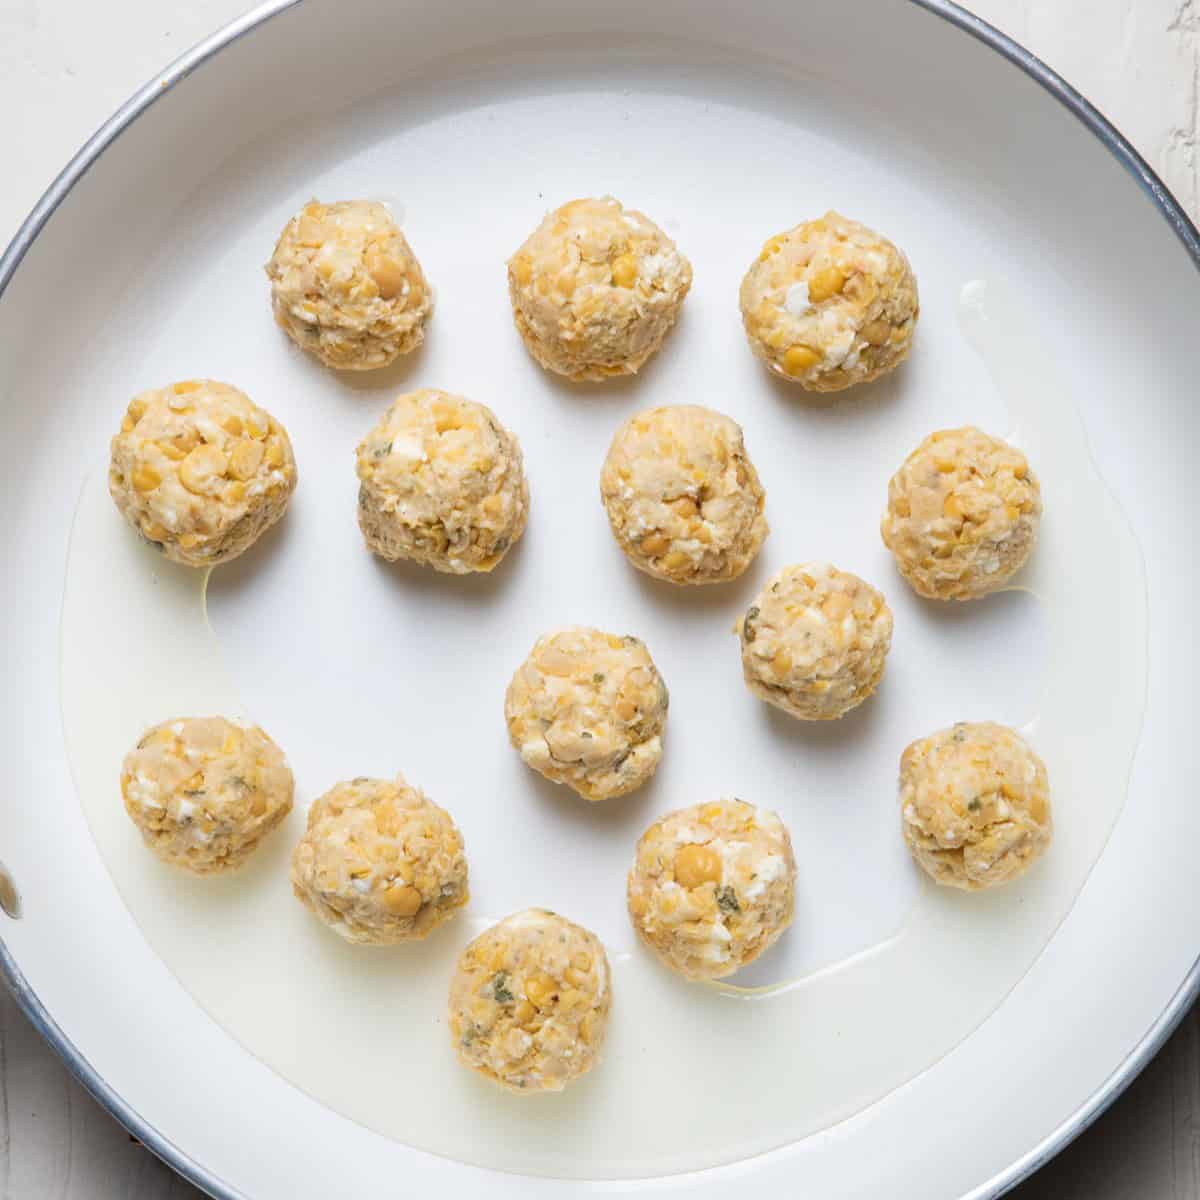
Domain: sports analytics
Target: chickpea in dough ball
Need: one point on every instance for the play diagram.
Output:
(829, 304)
(595, 289)
(962, 514)
(814, 641)
(529, 1002)
(442, 482)
(587, 709)
(204, 792)
(346, 287)
(200, 470)
(379, 863)
(712, 887)
(682, 496)
(975, 805)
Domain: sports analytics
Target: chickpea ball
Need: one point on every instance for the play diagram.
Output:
(682, 496)
(712, 887)
(814, 641)
(962, 515)
(379, 863)
(346, 287)
(201, 471)
(975, 805)
(204, 792)
(595, 289)
(829, 304)
(442, 482)
(529, 1002)
(587, 709)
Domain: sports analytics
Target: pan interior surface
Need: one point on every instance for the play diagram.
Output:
(360, 669)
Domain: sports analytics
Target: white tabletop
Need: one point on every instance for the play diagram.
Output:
(66, 64)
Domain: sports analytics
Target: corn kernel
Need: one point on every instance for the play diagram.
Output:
(541, 990)
(696, 865)
(825, 283)
(388, 275)
(146, 479)
(402, 900)
(798, 359)
(522, 269)
(245, 458)
(625, 271)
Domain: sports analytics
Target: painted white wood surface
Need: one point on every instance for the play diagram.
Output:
(66, 64)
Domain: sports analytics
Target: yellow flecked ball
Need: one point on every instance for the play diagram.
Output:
(712, 887)
(441, 482)
(200, 470)
(815, 640)
(595, 289)
(380, 863)
(829, 304)
(962, 514)
(974, 805)
(529, 1002)
(683, 498)
(587, 709)
(204, 792)
(346, 286)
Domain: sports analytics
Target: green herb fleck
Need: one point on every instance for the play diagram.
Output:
(598, 677)
(237, 781)
(194, 793)
(382, 451)
(727, 900)
(500, 989)
(749, 633)
(974, 805)
(468, 1035)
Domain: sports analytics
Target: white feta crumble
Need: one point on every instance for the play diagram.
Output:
(797, 301)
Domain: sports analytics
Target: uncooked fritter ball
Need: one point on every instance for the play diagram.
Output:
(595, 289)
(962, 514)
(682, 496)
(587, 709)
(815, 640)
(204, 792)
(830, 303)
(529, 1002)
(975, 805)
(346, 287)
(200, 470)
(712, 887)
(442, 482)
(379, 863)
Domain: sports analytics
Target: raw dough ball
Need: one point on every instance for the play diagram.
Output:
(682, 496)
(587, 709)
(814, 641)
(962, 514)
(529, 1002)
(442, 483)
(204, 791)
(379, 863)
(712, 887)
(595, 289)
(830, 303)
(346, 287)
(200, 470)
(975, 805)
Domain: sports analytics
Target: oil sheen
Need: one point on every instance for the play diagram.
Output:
(692, 1076)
